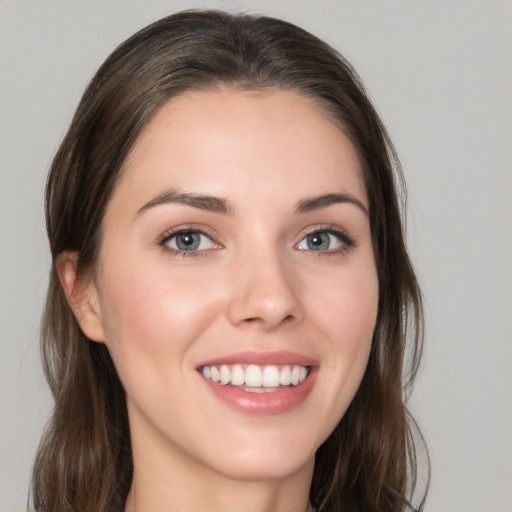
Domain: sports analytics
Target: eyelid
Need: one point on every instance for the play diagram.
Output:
(347, 241)
(164, 238)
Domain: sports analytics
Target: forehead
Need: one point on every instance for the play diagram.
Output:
(274, 143)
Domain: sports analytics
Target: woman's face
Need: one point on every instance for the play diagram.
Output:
(236, 246)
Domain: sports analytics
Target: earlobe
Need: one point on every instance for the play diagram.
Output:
(82, 296)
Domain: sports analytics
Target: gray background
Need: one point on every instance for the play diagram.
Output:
(440, 74)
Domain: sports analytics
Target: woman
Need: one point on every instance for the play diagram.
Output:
(230, 292)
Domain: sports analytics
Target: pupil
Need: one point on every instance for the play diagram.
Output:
(318, 241)
(187, 241)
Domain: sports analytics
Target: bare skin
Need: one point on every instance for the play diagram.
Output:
(278, 264)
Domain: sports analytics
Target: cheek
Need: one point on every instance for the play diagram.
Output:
(346, 315)
(357, 310)
(347, 307)
(152, 316)
(357, 315)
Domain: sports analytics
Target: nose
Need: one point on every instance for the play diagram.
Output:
(264, 293)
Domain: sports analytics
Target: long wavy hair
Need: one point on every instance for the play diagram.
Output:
(84, 462)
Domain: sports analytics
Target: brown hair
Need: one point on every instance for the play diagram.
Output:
(84, 461)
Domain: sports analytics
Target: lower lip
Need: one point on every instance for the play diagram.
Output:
(276, 402)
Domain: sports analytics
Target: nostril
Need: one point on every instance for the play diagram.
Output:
(288, 319)
(251, 320)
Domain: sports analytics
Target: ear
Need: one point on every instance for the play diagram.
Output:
(82, 296)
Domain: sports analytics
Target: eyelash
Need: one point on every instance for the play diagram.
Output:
(346, 241)
(169, 235)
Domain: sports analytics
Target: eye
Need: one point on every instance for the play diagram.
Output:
(188, 241)
(326, 240)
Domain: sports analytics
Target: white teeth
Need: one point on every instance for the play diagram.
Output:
(256, 377)
(215, 374)
(225, 375)
(270, 377)
(296, 375)
(285, 376)
(237, 375)
(253, 376)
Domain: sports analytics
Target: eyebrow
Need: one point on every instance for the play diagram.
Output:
(223, 206)
(203, 202)
(319, 202)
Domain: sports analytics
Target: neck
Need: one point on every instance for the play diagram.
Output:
(184, 486)
(219, 494)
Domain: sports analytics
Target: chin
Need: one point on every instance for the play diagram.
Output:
(269, 456)
(258, 468)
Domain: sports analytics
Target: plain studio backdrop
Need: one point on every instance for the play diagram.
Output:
(440, 74)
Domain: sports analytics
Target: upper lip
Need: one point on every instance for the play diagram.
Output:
(281, 357)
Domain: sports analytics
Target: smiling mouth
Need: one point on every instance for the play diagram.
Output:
(256, 379)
